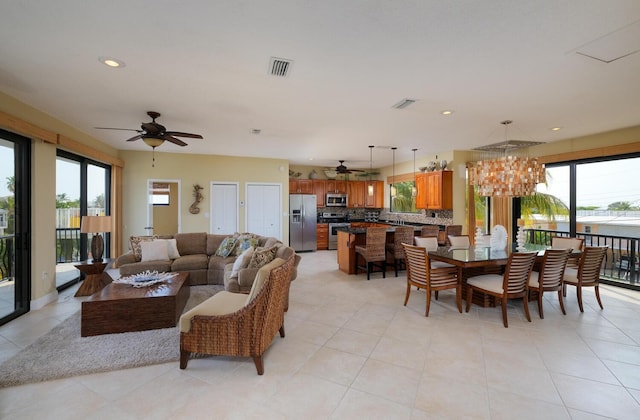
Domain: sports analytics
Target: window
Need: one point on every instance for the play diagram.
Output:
(160, 194)
(403, 202)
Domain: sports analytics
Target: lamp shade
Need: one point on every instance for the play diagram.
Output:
(95, 224)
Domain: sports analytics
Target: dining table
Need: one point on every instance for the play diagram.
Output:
(478, 260)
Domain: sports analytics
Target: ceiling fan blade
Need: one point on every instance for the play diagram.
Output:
(180, 134)
(139, 136)
(168, 137)
(121, 129)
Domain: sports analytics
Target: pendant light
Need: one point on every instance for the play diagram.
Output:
(370, 186)
(414, 189)
(394, 191)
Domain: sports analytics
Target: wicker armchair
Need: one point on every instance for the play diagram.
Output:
(227, 325)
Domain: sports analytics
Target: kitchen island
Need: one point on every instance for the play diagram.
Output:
(349, 237)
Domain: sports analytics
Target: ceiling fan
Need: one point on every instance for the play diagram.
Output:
(341, 169)
(154, 134)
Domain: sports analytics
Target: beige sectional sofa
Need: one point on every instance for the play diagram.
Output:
(197, 256)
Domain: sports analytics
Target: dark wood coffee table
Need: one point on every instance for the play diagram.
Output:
(122, 308)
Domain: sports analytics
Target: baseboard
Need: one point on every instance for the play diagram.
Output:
(43, 301)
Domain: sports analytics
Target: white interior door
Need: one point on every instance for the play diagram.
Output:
(264, 209)
(224, 208)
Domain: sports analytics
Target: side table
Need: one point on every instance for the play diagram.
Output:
(95, 277)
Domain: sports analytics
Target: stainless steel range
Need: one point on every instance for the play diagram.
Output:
(335, 220)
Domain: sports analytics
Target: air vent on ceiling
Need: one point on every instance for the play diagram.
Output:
(279, 67)
(404, 103)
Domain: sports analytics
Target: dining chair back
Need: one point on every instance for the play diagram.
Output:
(514, 283)
(452, 230)
(428, 231)
(374, 251)
(402, 234)
(459, 241)
(565, 242)
(588, 272)
(423, 275)
(549, 277)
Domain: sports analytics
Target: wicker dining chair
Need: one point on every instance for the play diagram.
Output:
(238, 327)
(423, 275)
(373, 253)
(587, 274)
(513, 284)
(549, 277)
(402, 234)
(428, 231)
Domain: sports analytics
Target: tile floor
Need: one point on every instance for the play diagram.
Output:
(353, 350)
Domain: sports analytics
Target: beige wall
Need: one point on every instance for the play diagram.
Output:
(165, 218)
(195, 169)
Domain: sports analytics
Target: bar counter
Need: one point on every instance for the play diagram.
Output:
(349, 237)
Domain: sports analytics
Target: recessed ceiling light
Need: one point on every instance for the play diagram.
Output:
(556, 128)
(446, 112)
(111, 62)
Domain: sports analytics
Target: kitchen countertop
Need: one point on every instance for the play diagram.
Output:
(360, 230)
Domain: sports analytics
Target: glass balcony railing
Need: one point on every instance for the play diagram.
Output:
(621, 266)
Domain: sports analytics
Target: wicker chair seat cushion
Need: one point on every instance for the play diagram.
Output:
(489, 282)
(570, 275)
(221, 303)
(429, 243)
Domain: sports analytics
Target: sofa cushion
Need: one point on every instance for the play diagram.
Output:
(154, 250)
(270, 241)
(190, 262)
(134, 244)
(218, 263)
(191, 243)
(221, 303)
(242, 261)
(226, 247)
(213, 242)
(161, 266)
(262, 256)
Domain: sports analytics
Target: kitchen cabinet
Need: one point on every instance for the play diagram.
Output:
(377, 199)
(335, 186)
(319, 186)
(322, 236)
(435, 190)
(355, 193)
(300, 186)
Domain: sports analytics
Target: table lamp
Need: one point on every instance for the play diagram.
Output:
(96, 225)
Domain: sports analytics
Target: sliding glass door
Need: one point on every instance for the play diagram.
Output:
(82, 188)
(15, 225)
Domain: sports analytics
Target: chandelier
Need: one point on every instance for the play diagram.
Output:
(507, 176)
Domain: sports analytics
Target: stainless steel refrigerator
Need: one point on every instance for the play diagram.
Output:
(302, 222)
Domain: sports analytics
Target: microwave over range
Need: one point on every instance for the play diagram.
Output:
(336, 200)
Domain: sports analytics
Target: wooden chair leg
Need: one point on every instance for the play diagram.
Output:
(368, 270)
(406, 297)
(282, 331)
(395, 265)
(579, 295)
(540, 304)
(503, 304)
(436, 293)
(426, 312)
(459, 297)
(469, 294)
(561, 302)
(184, 359)
(257, 360)
(598, 296)
(525, 303)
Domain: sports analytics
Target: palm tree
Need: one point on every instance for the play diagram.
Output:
(544, 204)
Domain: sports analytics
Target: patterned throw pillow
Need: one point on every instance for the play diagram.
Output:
(225, 248)
(243, 243)
(263, 256)
(134, 242)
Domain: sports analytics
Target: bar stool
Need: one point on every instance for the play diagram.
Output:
(402, 235)
(373, 252)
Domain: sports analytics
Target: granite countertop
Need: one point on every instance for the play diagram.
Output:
(390, 229)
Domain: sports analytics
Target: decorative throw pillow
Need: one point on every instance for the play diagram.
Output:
(243, 243)
(172, 247)
(225, 248)
(262, 256)
(241, 262)
(154, 250)
(135, 241)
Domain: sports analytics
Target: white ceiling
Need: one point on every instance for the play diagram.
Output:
(204, 65)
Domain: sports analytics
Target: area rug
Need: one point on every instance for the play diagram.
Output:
(63, 353)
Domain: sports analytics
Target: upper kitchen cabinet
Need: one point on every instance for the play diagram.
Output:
(355, 194)
(377, 199)
(435, 190)
(336, 186)
(300, 186)
(319, 186)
